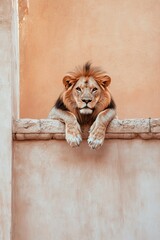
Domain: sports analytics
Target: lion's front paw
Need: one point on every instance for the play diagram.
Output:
(73, 134)
(96, 136)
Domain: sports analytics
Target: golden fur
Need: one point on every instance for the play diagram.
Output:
(85, 100)
(87, 78)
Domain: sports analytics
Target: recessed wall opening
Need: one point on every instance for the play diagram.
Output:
(122, 37)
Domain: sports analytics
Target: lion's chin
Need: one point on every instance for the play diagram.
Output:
(86, 111)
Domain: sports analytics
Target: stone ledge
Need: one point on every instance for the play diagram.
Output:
(47, 129)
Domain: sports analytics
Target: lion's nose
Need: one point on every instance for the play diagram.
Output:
(86, 100)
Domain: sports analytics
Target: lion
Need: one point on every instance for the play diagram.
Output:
(86, 99)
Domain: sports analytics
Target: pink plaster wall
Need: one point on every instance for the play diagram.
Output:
(121, 36)
(63, 193)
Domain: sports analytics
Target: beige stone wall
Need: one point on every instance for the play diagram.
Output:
(8, 108)
(122, 36)
(63, 193)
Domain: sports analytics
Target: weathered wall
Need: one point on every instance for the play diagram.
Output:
(8, 102)
(122, 36)
(64, 193)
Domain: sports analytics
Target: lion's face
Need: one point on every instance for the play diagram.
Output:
(86, 94)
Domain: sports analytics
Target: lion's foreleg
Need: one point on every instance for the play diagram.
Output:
(98, 128)
(72, 127)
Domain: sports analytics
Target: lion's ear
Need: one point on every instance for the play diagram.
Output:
(67, 81)
(105, 81)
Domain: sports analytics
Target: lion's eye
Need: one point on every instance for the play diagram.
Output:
(78, 89)
(94, 89)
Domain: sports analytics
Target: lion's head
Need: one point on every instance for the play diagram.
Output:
(86, 92)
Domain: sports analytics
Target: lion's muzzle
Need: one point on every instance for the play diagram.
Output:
(86, 110)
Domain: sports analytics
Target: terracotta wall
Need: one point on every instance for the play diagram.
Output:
(85, 194)
(122, 36)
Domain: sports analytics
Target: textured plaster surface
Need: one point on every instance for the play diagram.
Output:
(5, 117)
(5, 12)
(23, 10)
(63, 193)
(155, 125)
